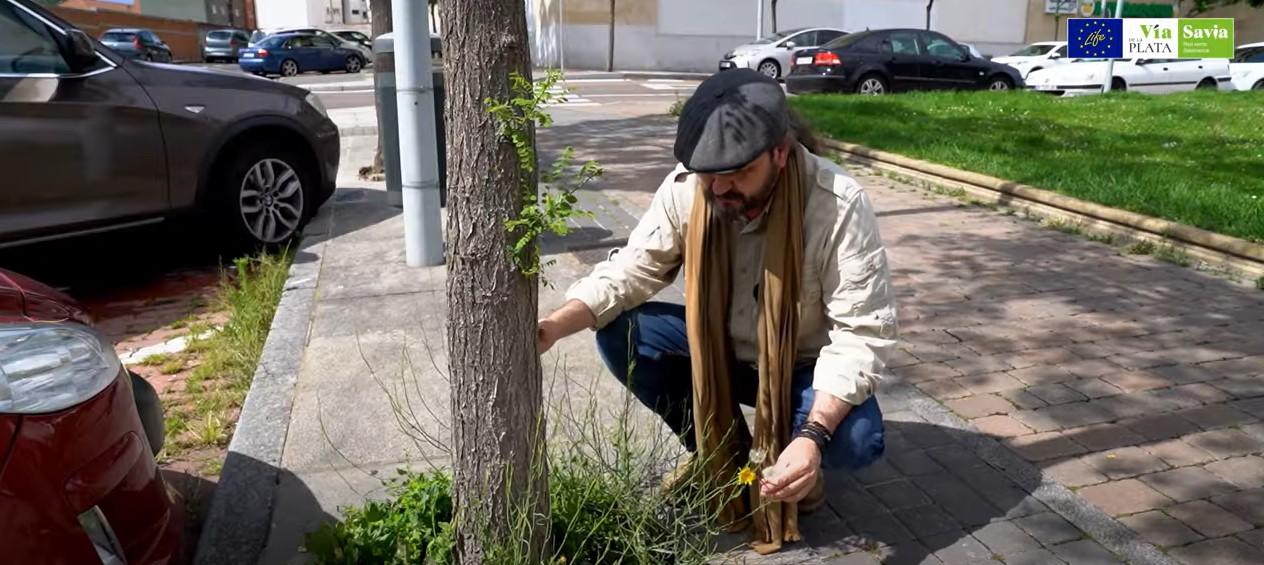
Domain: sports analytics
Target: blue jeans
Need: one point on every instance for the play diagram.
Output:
(661, 380)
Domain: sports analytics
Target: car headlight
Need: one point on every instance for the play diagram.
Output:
(314, 102)
(729, 55)
(51, 367)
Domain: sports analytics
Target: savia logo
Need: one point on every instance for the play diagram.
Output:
(1151, 38)
(1095, 38)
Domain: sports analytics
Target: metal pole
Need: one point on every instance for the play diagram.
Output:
(610, 59)
(561, 35)
(759, 19)
(419, 160)
(1110, 62)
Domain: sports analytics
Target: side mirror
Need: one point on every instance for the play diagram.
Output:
(1055, 55)
(82, 55)
(790, 45)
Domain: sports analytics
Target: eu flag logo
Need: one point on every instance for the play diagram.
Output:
(1095, 38)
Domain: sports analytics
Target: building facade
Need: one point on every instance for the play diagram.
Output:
(334, 14)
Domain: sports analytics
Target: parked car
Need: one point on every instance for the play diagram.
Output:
(771, 55)
(1038, 55)
(78, 434)
(94, 141)
(895, 60)
(356, 37)
(135, 43)
(1154, 76)
(366, 52)
(289, 54)
(1247, 67)
(224, 44)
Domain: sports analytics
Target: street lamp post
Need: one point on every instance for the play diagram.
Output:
(1110, 61)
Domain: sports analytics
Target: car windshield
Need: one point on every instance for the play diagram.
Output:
(118, 36)
(846, 40)
(776, 36)
(220, 35)
(1033, 50)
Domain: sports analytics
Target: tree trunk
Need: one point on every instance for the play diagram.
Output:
(380, 18)
(497, 421)
(774, 16)
(610, 57)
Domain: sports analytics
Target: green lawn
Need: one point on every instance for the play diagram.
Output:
(1196, 158)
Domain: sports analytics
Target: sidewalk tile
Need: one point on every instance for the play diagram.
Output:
(1224, 551)
(1216, 416)
(1225, 443)
(879, 472)
(1078, 414)
(1200, 392)
(989, 382)
(1185, 374)
(883, 528)
(1161, 426)
(1125, 462)
(955, 459)
(1094, 388)
(979, 364)
(1247, 504)
(1056, 393)
(857, 558)
(958, 548)
(1033, 557)
(1187, 483)
(1090, 368)
(1254, 406)
(1208, 519)
(1254, 538)
(1042, 374)
(854, 503)
(1023, 399)
(1038, 420)
(1128, 496)
(1160, 529)
(1048, 356)
(927, 521)
(1246, 472)
(928, 372)
(899, 494)
(1177, 453)
(1241, 387)
(1085, 552)
(913, 463)
(978, 406)
(1042, 446)
(1104, 436)
(1247, 367)
(906, 553)
(943, 390)
(1005, 538)
(959, 500)
(1074, 472)
(1137, 381)
(1049, 528)
(1001, 426)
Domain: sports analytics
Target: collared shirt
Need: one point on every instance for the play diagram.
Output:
(846, 304)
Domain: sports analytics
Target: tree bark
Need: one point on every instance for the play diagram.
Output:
(496, 385)
(380, 19)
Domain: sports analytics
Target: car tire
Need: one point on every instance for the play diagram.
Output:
(353, 64)
(1259, 85)
(1118, 84)
(1206, 84)
(289, 68)
(1000, 83)
(769, 68)
(147, 58)
(872, 84)
(266, 195)
(149, 408)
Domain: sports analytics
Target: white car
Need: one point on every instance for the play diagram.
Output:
(1038, 55)
(1141, 75)
(1247, 67)
(771, 55)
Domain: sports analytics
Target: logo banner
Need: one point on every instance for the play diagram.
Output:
(1150, 38)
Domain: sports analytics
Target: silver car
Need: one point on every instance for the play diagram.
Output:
(771, 55)
(224, 45)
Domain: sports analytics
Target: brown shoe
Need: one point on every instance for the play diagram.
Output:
(815, 498)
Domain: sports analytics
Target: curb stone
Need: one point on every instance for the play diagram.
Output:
(239, 519)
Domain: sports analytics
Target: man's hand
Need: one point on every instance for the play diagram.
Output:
(570, 318)
(794, 473)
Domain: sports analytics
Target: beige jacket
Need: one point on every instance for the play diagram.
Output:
(847, 307)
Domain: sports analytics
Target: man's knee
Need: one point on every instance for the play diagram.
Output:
(859, 440)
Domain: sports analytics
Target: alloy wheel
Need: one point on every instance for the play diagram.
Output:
(353, 64)
(271, 200)
(872, 87)
(289, 68)
(998, 84)
(768, 69)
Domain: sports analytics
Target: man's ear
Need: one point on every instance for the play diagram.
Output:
(781, 154)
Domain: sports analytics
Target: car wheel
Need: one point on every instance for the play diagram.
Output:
(267, 195)
(149, 408)
(1259, 85)
(147, 58)
(871, 85)
(1206, 84)
(1118, 84)
(999, 83)
(353, 64)
(770, 68)
(289, 68)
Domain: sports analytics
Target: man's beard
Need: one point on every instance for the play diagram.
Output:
(735, 206)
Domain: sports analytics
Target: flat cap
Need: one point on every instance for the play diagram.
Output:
(731, 119)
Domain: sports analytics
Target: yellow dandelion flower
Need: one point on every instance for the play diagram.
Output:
(745, 476)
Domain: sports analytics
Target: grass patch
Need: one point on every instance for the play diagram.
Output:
(1195, 158)
(225, 359)
(1141, 247)
(677, 107)
(1171, 254)
(157, 359)
(173, 366)
(1063, 226)
(1102, 237)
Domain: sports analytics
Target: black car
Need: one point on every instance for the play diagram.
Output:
(135, 43)
(895, 60)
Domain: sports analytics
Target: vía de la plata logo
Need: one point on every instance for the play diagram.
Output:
(1196, 38)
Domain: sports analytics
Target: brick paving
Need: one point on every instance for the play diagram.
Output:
(1138, 384)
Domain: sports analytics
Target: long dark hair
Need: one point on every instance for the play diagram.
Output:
(803, 132)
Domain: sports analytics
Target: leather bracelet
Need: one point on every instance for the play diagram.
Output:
(816, 433)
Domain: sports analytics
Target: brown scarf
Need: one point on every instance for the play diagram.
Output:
(723, 438)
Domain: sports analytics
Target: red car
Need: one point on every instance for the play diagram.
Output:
(78, 482)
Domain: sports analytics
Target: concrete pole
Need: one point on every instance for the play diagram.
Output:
(759, 19)
(419, 158)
